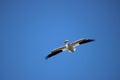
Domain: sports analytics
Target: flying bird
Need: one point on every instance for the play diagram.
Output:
(68, 46)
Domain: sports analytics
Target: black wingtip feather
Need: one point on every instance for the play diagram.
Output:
(52, 54)
(86, 41)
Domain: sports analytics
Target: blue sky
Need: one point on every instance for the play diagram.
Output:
(30, 29)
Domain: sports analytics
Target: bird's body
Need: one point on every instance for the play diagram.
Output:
(69, 47)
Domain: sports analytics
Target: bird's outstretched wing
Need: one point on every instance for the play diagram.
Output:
(56, 51)
(82, 41)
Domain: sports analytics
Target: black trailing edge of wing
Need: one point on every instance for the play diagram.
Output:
(86, 41)
(53, 53)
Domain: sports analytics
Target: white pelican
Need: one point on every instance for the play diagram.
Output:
(68, 46)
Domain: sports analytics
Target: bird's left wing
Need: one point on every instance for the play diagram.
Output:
(56, 51)
(82, 41)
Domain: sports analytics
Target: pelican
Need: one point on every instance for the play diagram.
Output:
(68, 46)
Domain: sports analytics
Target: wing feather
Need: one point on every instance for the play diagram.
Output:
(81, 41)
(56, 51)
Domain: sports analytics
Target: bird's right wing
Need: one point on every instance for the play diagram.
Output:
(56, 51)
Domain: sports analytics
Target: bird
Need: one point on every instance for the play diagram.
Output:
(71, 47)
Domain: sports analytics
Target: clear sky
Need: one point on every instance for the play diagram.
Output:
(30, 29)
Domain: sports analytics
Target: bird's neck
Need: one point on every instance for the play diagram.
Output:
(67, 43)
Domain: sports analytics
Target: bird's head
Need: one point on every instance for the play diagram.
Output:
(66, 41)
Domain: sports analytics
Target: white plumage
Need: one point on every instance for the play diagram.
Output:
(68, 46)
